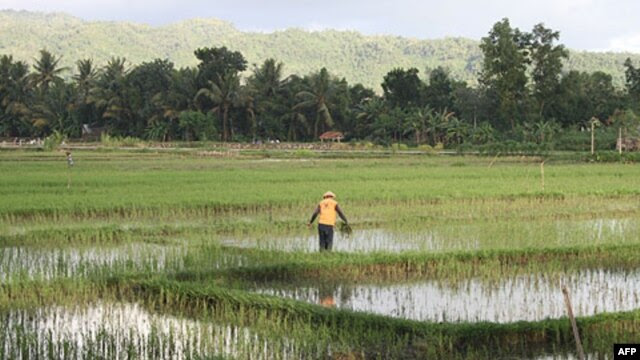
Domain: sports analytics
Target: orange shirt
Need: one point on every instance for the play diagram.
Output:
(327, 212)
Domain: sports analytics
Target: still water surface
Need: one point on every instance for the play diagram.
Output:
(473, 236)
(526, 297)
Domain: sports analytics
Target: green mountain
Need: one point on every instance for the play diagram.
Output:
(357, 57)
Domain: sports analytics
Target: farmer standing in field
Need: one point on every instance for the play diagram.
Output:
(326, 214)
(69, 159)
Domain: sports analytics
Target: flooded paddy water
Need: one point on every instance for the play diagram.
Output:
(46, 263)
(123, 330)
(149, 228)
(49, 263)
(532, 297)
(465, 236)
(128, 331)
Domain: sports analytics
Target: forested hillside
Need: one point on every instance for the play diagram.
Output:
(358, 58)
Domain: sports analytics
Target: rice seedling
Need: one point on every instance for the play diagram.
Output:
(437, 339)
(139, 186)
(125, 331)
(36, 263)
(345, 229)
(529, 297)
(183, 242)
(318, 330)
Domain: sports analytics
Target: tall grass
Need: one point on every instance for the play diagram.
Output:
(127, 185)
(189, 236)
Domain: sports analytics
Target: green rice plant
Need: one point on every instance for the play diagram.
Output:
(345, 228)
(194, 237)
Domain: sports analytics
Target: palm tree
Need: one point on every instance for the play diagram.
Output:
(165, 115)
(47, 70)
(184, 87)
(264, 87)
(170, 104)
(224, 94)
(544, 130)
(318, 96)
(457, 130)
(418, 122)
(246, 101)
(54, 111)
(437, 125)
(295, 120)
(85, 79)
(158, 128)
(483, 133)
(15, 96)
(110, 97)
(267, 79)
(367, 113)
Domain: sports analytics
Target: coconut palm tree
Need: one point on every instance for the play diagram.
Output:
(367, 113)
(223, 94)
(319, 94)
(266, 80)
(47, 70)
(85, 79)
(246, 101)
(265, 88)
(54, 110)
(184, 87)
(15, 96)
(110, 95)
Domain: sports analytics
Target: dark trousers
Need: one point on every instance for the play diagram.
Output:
(325, 233)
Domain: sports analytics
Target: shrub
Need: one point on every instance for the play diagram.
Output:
(116, 141)
(399, 147)
(426, 148)
(54, 140)
(614, 156)
(576, 140)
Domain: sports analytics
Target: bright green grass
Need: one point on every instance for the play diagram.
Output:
(584, 218)
(33, 184)
(178, 197)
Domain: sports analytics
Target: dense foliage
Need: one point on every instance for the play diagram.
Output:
(357, 57)
(522, 94)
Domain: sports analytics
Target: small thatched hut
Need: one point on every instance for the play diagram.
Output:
(332, 135)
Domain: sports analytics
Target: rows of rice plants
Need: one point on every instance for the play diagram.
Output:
(126, 331)
(172, 255)
(38, 188)
(314, 331)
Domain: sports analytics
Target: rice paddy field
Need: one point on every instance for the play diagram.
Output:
(177, 254)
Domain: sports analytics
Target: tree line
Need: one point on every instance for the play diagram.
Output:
(523, 95)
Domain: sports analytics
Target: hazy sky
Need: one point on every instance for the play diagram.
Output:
(583, 24)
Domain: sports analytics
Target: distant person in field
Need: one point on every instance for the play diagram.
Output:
(69, 159)
(326, 213)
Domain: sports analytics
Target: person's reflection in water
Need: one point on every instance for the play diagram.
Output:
(325, 294)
